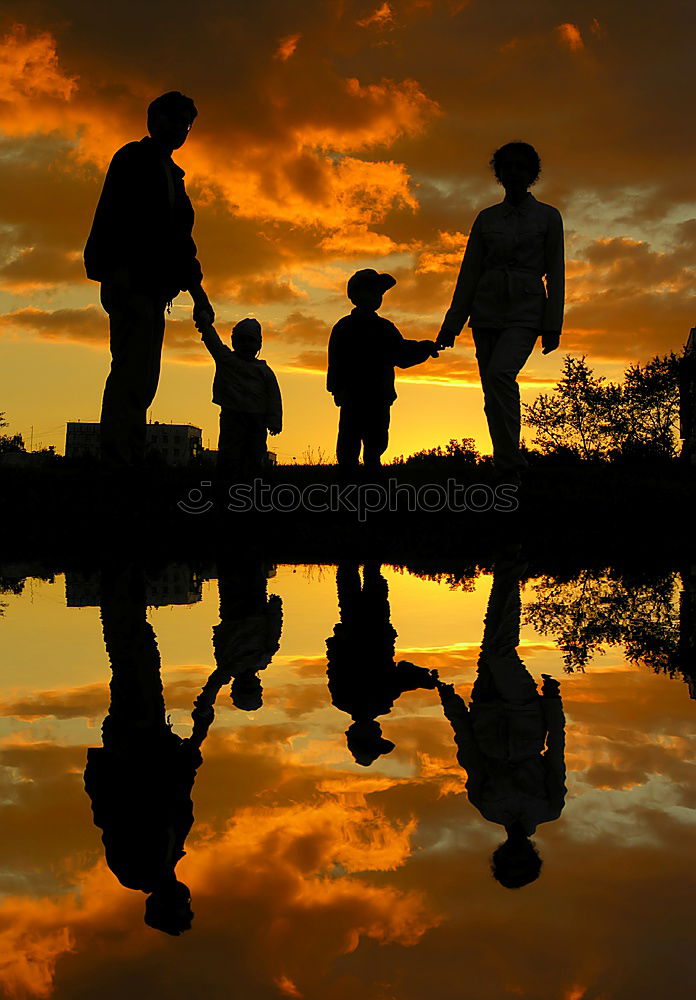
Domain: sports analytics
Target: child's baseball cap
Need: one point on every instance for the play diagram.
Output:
(247, 328)
(369, 279)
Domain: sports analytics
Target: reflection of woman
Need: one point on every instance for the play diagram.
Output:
(513, 246)
(511, 739)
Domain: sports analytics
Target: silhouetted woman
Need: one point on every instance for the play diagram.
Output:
(513, 246)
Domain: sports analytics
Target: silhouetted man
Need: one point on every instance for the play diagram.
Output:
(511, 739)
(141, 250)
(248, 635)
(364, 680)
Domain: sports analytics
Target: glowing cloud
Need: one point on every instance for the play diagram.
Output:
(570, 36)
(287, 47)
(29, 68)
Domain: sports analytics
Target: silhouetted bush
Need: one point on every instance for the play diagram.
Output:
(458, 453)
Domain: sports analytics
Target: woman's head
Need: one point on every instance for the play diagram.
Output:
(515, 863)
(516, 165)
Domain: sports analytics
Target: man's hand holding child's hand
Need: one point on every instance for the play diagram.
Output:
(550, 688)
(445, 339)
(203, 318)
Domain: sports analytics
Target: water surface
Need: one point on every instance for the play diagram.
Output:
(313, 872)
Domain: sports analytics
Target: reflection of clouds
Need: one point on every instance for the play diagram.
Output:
(651, 812)
(270, 879)
(312, 878)
(319, 862)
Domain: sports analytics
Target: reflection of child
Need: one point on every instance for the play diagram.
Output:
(247, 392)
(248, 634)
(364, 679)
(364, 348)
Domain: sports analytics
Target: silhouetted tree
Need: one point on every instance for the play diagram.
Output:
(9, 442)
(591, 418)
(650, 407)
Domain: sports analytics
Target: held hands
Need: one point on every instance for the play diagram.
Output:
(446, 691)
(445, 338)
(550, 339)
(550, 688)
(203, 312)
(434, 350)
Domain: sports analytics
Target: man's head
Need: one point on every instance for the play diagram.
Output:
(516, 165)
(169, 119)
(246, 338)
(366, 743)
(168, 908)
(367, 287)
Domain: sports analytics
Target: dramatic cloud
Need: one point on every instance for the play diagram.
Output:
(338, 135)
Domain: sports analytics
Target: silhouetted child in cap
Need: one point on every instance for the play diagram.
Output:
(247, 392)
(364, 349)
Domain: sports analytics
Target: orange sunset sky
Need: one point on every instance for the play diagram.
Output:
(331, 136)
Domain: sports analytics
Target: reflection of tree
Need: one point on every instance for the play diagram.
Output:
(597, 608)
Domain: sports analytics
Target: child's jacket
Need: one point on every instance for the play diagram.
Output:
(364, 348)
(242, 385)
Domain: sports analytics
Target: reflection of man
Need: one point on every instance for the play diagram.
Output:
(364, 680)
(141, 250)
(511, 739)
(140, 780)
(248, 635)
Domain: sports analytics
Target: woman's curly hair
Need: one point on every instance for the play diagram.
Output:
(521, 149)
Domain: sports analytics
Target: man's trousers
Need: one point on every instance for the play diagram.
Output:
(136, 329)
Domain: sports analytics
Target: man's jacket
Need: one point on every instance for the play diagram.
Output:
(143, 223)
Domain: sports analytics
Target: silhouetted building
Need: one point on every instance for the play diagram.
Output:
(687, 399)
(687, 627)
(176, 444)
(175, 584)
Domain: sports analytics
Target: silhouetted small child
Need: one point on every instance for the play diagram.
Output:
(364, 349)
(247, 392)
